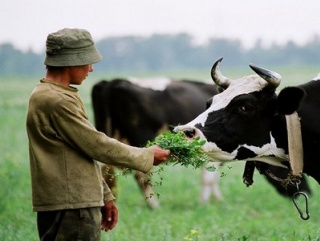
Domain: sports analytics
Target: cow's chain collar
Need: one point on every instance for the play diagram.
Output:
(295, 150)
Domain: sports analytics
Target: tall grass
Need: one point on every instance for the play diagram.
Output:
(255, 213)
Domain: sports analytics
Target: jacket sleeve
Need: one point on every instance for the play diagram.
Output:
(73, 127)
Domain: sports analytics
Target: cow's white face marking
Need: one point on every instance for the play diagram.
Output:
(158, 83)
(245, 85)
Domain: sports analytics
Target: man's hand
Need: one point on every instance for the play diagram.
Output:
(160, 155)
(109, 216)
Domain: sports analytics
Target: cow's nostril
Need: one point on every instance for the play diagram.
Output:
(190, 133)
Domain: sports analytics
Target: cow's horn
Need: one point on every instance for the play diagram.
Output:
(217, 77)
(271, 77)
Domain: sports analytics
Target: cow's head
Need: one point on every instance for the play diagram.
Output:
(239, 122)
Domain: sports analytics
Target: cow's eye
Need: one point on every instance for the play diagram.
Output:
(245, 109)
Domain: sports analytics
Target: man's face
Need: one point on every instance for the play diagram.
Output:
(79, 73)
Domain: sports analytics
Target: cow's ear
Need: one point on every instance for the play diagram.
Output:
(289, 100)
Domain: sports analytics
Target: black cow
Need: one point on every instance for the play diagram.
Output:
(247, 121)
(135, 114)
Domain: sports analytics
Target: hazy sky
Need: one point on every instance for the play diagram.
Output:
(26, 23)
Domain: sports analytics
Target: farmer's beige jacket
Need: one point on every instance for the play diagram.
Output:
(63, 147)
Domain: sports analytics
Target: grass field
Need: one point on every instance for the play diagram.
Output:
(257, 213)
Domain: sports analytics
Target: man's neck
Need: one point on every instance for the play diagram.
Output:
(61, 76)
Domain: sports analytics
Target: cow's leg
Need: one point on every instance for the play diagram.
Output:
(247, 176)
(108, 174)
(210, 184)
(146, 189)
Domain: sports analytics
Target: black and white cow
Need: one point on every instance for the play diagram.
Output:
(246, 122)
(136, 111)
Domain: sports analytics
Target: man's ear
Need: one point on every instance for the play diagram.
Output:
(289, 100)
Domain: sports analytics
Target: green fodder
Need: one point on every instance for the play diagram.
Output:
(182, 150)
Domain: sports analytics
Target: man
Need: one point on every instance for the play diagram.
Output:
(68, 192)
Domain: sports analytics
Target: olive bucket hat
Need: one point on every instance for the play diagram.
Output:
(71, 47)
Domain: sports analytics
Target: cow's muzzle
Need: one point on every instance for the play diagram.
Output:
(188, 131)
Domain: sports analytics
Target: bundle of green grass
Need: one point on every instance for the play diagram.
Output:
(183, 151)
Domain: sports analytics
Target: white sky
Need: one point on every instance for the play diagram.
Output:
(26, 23)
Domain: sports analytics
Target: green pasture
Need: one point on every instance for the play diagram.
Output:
(257, 213)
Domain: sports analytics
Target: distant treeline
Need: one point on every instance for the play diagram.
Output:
(170, 52)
